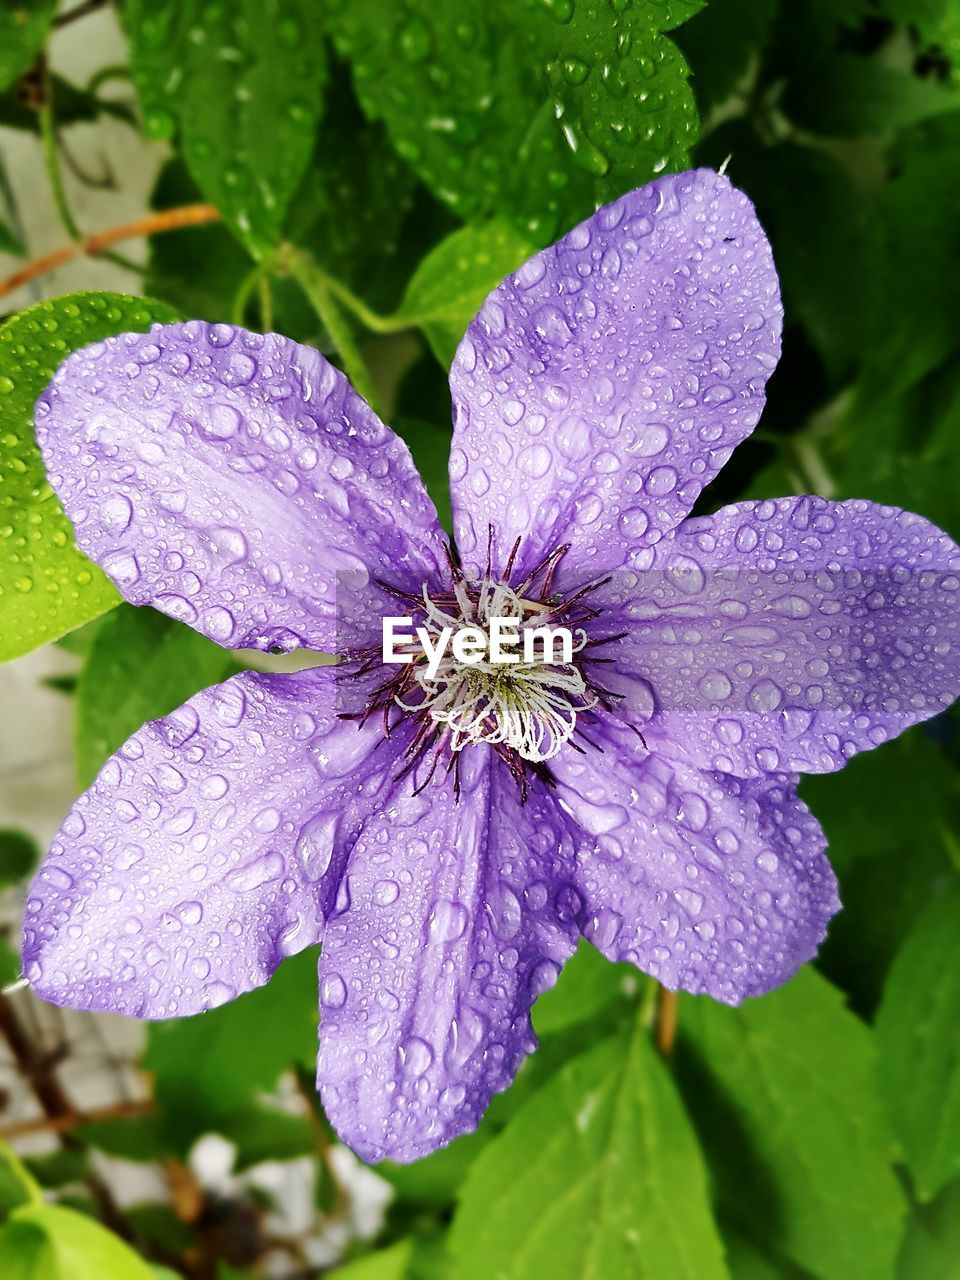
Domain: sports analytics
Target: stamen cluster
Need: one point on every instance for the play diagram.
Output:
(527, 711)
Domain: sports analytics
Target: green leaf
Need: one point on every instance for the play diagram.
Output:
(18, 856)
(9, 242)
(142, 665)
(784, 1096)
(915, 326)
(430, 446)
(354, 211)
(47, 587)
(385, 1264)
(196, 269)
(264, 1133)
(46, 1242)
(23, 29)
(889, 818)
(917, 1025)
(242, 84)
(213, 1063)
(452, 282)
(826, 242)
(853, 97)
(588, 985)
(15, 1184)
(539, 110)
(58, 1168)
(137, 1138)
(9, 964)
(597, 1175)
(931, 1246)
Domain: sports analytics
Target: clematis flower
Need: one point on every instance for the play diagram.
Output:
(450, 841)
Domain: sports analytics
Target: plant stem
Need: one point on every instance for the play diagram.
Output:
(190, 215)
(243, 294)
(51, 159)
(371, 320)
(266, 302)
(317, 287)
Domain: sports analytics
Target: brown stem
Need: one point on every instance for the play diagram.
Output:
(73, 1120)
(38, 1069)
(666, 1020)
(189, 215)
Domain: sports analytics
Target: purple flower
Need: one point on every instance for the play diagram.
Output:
(450, 841)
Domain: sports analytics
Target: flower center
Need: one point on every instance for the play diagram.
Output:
(529, 706)
(455, 695)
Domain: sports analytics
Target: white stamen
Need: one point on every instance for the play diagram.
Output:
(529, 706)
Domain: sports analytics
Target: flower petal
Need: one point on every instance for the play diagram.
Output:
(709, 883)
(226, 478)
(205, 852)
(606, 382)
(789, 634)
(452, 918)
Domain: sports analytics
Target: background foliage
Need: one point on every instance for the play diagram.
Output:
(378, 166)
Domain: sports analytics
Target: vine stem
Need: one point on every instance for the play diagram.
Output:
(317, 287)
(189, 215)
(51, 160)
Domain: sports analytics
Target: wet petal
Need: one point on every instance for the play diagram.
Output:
(207, 850)
(709, 883)
(226, 478)
(452, 919)
(789, 634)
(606, 382)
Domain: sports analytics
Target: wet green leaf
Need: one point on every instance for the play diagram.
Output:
(536, 110)
(47, 587)
(453, 280)
(241, 83)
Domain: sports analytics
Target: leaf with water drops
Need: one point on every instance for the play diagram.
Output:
(24, 25)
(142, 665)
(917, 1034)
(450, 285)
(539, 109)
(46, 586)
(242, 83)
(49, 1242)
(783, 1093)
(597, 1175)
